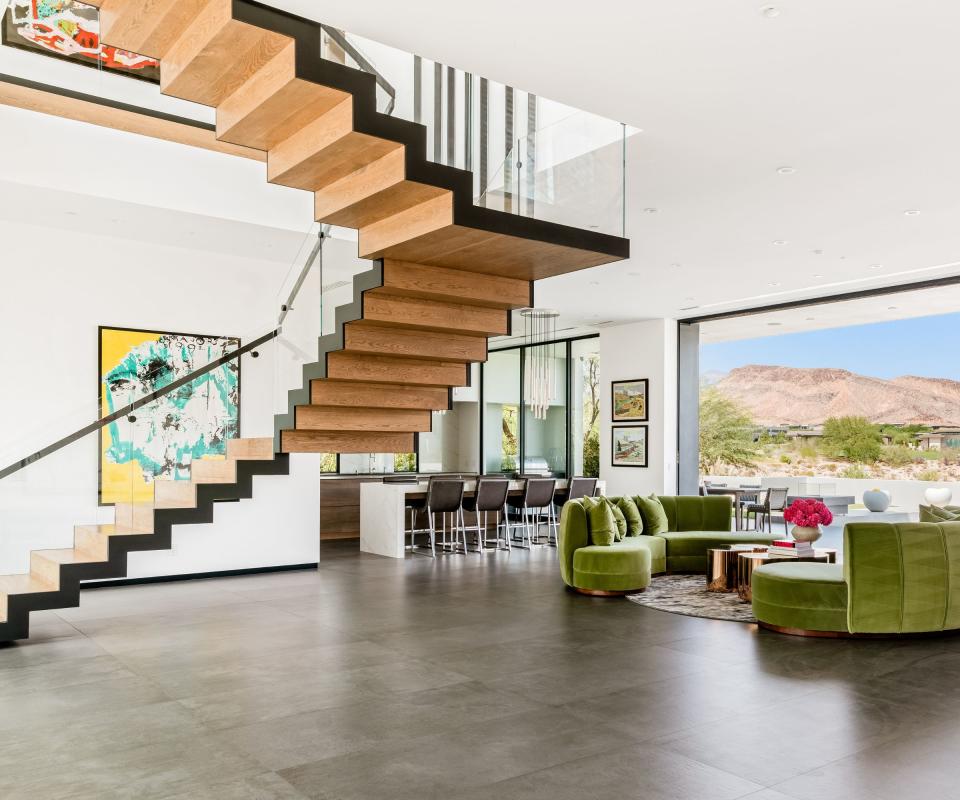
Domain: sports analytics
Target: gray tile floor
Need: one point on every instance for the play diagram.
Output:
(468, 677)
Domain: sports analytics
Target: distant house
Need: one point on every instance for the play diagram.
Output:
(940, 439)
(806, 435)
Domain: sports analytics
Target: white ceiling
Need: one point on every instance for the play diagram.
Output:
(862, 311)
(858, 96)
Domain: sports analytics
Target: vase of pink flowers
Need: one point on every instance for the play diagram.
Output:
(807, 515)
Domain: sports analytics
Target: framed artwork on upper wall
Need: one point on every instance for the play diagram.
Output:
(629, 446)
(630, 401)
(70, 30)
(165, 436)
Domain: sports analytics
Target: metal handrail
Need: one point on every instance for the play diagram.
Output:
(341, 39)
(129, 409)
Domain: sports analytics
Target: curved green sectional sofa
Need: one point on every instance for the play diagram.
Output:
(695, 524)
(896, 578)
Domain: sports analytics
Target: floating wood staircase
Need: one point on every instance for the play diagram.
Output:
(446, 273)
(100, 551)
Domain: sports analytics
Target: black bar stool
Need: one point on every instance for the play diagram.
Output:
(581, 487)
(490, 495)
(445, 497)
(537, 503)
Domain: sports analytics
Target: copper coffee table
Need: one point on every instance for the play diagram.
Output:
(722, 565)
(748, 562)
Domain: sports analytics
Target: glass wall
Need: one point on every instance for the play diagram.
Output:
(501, 412)
(585, 407)
(561, 440)
(545, 430)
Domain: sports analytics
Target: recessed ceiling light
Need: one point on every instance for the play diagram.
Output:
(818, 252)
(779, 242)
(818, 276)
(891, 308)
(774, 283)
(594, 283)
(594, 226)
(774, 324)
(635, 274)
(70, 213)
(691, 297)
(876, 266)
(770, 11)
(675, 264)
(911, 212)
(810, 319)
(689, 308)
(786, 170)
(650, 210)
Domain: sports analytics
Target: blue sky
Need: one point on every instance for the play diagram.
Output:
(927, 346)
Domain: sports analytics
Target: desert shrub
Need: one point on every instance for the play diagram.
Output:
(726, 433)
(852, 438)
(809, 451)
(930, 455)
(830, 467)
(856, 471)
(950, 455)
(897, 455)
(785, 459)
(929, 475)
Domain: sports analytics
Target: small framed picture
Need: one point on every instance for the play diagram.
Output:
(629, 446)
(630, 401)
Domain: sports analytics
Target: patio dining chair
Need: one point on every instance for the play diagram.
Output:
(773, 500)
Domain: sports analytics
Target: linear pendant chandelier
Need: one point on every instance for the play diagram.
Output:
(540, 328)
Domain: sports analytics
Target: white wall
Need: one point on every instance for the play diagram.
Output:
(905, 495)
(645, 349)
(58, 286)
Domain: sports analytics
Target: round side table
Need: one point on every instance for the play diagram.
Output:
(722, 566)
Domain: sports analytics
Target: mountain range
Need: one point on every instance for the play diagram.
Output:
(795, 396)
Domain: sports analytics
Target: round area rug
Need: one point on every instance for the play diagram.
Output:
(688, 595)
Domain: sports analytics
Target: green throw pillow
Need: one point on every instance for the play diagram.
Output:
(654, 517)
(936, 514)
(632, 515)
(620, 519)
(600, 521)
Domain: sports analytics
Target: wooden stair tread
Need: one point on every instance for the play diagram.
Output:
(380, 306)
(214, 470)
(300, 441)
(367, 337)
(260, 449)
(169, 494)
(378, 395)
(384, 420)
(407, 279)
(65, 555)
(23, 584)
(389, 369)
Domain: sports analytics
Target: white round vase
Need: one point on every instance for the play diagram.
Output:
(805, 534)
(938, 495)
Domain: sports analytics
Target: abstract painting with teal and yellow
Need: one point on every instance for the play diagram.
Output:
(166, 435)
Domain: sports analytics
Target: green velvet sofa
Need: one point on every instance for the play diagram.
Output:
(896, 578)
(695, 524)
